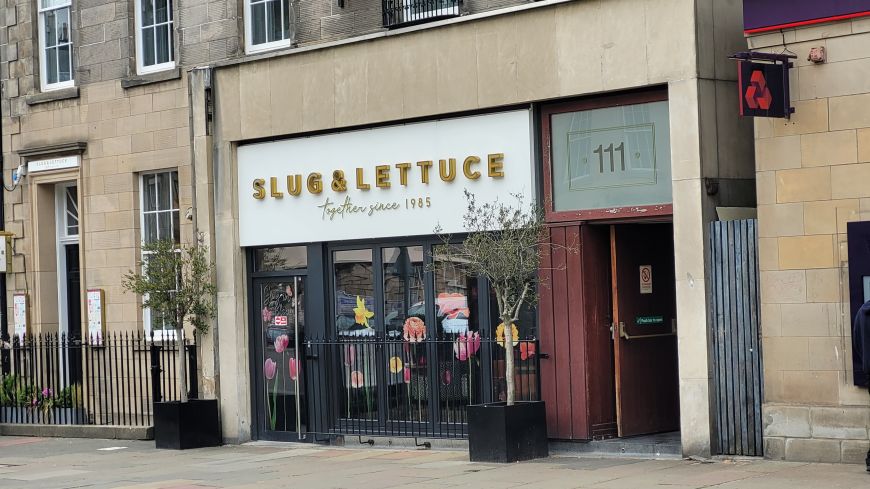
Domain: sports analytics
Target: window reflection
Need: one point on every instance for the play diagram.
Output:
(455, 297)
(354, 293)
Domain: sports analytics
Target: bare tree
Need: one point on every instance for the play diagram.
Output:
(504, 244)
(175, 282)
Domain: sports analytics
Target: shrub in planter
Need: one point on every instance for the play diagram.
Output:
(176, 284)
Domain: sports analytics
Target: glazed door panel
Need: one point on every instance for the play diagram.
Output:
(279, 326)
(644, 333)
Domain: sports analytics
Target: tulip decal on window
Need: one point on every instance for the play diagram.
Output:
(414, 330)
(281, 343)
(466, 346)
(357, 379)
(267, 315)
(527, 350)
(361, 314)
(293, 369)
(270, 368)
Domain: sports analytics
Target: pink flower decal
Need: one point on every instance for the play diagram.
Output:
(414, 330)
(527, 350)
(281, 343)
(270, 368)
(267, 315)
(446, 377)
(349, 355)
(357, 379)
(293, 369)
(466, 346)
(407, 376)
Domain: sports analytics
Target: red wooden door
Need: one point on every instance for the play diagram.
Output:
(644, 332)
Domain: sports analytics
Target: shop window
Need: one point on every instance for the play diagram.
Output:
(268, 24)
(355, 293)
(55, 44)
(280, 259)
(455, 298)
(404, 296)
(155, 38)
(159, 221)
(611, 157)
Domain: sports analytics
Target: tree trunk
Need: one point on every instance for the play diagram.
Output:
(182, 363)
(508, 322)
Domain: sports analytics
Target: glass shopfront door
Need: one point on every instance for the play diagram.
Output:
(279, 325)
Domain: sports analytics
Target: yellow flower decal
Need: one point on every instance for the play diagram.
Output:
(499, 334)
(361, 314)
(396, 365)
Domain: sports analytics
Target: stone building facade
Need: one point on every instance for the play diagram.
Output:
(811, 179)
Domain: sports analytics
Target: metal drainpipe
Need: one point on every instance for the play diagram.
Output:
(4, 322)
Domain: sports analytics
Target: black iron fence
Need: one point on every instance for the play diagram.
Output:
(405, 12)
(393, 387)
(52, 379)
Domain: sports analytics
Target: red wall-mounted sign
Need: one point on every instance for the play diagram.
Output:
(764, 87)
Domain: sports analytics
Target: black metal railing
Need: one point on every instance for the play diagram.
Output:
(405, 12)
(392, 387)
(52, 379)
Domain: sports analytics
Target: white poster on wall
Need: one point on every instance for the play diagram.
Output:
(385, 182)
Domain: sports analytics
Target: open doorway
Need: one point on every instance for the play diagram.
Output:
(68, 277)
(643, 308)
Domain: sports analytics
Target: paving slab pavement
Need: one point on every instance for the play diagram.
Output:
(55, 463)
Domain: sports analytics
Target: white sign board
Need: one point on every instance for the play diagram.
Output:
(96, 316)
(391, 181)
(646, 279)
(53, 164)
(19, 314)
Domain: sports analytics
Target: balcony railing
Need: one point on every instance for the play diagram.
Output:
(398, 13)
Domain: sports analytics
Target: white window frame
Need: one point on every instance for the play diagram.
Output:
(250, 47)
(43, 59)
(160, 334)
(141, 69)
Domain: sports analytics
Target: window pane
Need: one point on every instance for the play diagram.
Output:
(164, 225)
(47, 4)
(149, 234)
(258, 23)
(64, 61)
(404, 297)
(163, 197)
(148, 54)
(171, 43)
(455, 298)
(72, 211)
(611, 157)
(63, 29)
(354, 293)
(273, 20)
(284, 258)
(150, 197)
(161, 11)
(51, 65)
(50, 25)
(147, 13)
(174, 189)
(285, 8)
(163, 44)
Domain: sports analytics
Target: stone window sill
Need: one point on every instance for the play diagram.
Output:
(52, 96)
(162, 76)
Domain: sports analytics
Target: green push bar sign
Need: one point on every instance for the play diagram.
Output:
(641, 320)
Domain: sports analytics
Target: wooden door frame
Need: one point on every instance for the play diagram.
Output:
(647, 95)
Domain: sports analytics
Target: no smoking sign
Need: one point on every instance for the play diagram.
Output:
(646, 279)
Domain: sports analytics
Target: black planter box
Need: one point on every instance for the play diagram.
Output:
(191, 424)
(501, 433)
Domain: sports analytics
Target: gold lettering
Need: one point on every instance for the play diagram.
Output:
(338, 182)
(403, 172)
(424, 170)
(259, 189)
(294, 184)
(273, 188)
(360, 184)
(382, 176)
(315, 183)
(495, 165)
(466, 168)
(447, 169)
